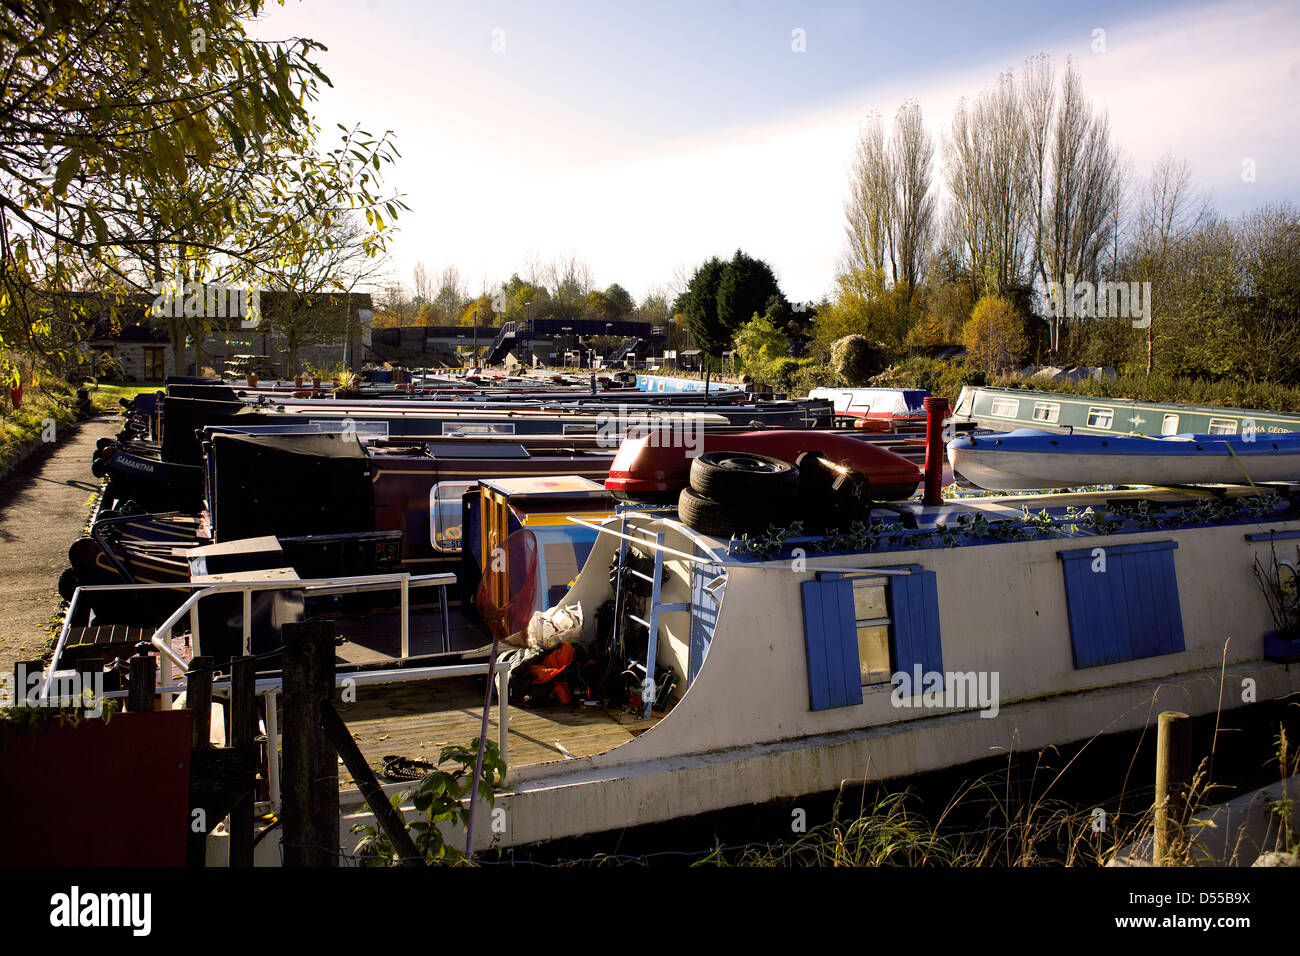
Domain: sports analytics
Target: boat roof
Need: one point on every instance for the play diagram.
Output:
(1026, 516)
(564, 486)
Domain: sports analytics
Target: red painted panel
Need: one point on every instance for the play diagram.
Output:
(97, 794)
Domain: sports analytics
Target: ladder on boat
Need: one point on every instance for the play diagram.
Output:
(655, 581)
(657, 607)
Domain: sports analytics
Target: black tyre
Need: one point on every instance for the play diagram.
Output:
(852, 496)
(83, 555)
(722, 520)
(816, 502)
(739, 478)
(67, 584)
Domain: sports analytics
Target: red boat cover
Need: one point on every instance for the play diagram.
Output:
(659, 461)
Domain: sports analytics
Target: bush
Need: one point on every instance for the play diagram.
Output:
(1231, 393)
(994, 337)
(944, 378)
(759, 346)
(783, 372)
(812, 374)
(855, 358)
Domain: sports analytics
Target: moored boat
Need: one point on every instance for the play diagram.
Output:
(1030, 458)
(1003, 409)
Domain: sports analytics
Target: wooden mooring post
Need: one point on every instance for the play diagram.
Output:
(198, 698)
(310, 783)
(1173, 783)
(143, 676)
(222, 779)
(243, 735)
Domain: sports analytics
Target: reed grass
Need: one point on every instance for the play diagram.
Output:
(1012, 823)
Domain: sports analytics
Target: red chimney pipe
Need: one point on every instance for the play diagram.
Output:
(936, 410)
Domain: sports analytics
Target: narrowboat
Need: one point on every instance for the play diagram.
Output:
(881, 409)
(975, 633)
(398, 499)
(1003, 409)
(911, 636)
(1032, 458)
(166, 473)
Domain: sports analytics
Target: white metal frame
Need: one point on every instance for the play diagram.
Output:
(270, 688)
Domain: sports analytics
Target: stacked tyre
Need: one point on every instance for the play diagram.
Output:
(832, 496)
(736, 493)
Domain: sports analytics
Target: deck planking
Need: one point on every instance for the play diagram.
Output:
(418, 719)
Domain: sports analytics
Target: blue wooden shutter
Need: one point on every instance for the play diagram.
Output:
(831, 636)
(1127, 612)
(704, 618)
(914, 608)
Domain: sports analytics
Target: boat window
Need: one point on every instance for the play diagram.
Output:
(1005, 407)
(378, 429)
(1100, 417)
(1223, 426)
(1047, 411)
(872, 620)
(445, 515)
(579, 430)
(1170, 425)
(478, 428)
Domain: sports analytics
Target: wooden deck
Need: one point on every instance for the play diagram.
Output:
(418, 719)
(376, 637)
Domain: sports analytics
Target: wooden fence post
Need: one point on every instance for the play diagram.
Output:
(243, 732)
(198, 698)
(1173, 781)
(143, 678)
(310, 782)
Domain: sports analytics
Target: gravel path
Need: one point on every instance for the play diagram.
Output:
(42, 509)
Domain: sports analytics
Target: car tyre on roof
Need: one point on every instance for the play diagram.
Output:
(742, 478)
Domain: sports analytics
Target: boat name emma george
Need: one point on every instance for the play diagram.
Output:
(960, 689)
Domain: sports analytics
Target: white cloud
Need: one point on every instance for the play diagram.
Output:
(492, 177)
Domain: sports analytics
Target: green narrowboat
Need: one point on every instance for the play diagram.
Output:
(1004, 409)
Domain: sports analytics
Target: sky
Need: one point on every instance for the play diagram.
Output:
(646, 137)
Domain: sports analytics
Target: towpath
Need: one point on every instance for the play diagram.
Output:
(43, 507)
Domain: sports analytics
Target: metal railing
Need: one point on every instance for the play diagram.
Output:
(648, 540)
(314, 587)
(270, 688)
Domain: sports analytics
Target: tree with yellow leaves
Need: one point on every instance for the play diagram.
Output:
(994, 337)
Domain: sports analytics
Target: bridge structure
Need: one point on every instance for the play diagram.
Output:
(522, 337)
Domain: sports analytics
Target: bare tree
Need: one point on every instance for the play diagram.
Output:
(394, 305)
(990, 180)
(570, 282)
(308, 311)
(452, 294)
(1038, 93)
(912, 228)
(869, 209)
(1075, 213)
(424, 291)
(536, 271)
(1170, 212)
